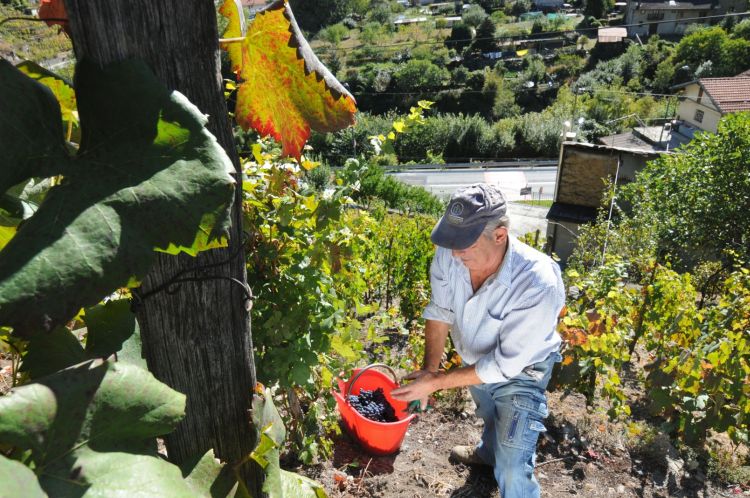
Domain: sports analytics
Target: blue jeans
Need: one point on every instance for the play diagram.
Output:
(513, 414)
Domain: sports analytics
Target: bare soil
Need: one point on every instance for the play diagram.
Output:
(582, 454)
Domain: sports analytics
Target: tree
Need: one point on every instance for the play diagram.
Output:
(695, 196)
(474, 16)
(504, 99)
(490, 5)
(460, 37)
(333, 34)
(597, 8)
(381, 15)
(419, 74)
(485, 40)
(742, 30)
(196, 339)
(312, 16)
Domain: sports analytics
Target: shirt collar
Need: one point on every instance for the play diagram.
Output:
(504, 273)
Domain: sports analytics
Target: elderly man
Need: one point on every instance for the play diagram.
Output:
(499, 299)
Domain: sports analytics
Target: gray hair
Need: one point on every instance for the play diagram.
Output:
(501, 222)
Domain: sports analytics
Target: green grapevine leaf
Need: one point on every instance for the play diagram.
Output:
(60, 88)
(293, 485)
(49, 352)
(286, 90)
(278, 482)
(207, 477)
(109, 326)
(90, 430)
(148, 176)
(18, 480)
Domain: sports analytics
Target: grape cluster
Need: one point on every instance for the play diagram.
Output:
(373, 405)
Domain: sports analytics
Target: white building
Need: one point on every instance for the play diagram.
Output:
(672, 17)
(706, 100)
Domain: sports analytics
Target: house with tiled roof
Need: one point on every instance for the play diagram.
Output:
(583, 167)
(706, 100)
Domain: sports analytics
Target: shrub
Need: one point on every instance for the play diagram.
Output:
(473, 16)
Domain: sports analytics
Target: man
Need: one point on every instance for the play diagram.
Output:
(499, 299)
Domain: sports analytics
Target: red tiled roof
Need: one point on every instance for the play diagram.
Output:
(730, 94)
(746, 73)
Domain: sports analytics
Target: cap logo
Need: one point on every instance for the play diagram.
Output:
(457, 208)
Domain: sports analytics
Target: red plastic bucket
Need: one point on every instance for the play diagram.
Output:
(378, 438)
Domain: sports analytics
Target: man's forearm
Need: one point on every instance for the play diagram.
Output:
(464, 376)
(435, 335)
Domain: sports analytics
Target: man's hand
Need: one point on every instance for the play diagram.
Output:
(423, 384)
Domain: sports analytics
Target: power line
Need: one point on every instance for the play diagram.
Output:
(562, 32)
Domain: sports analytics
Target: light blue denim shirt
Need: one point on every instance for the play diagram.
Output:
(511, 321)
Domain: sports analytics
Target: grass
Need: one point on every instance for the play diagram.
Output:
(536, 202)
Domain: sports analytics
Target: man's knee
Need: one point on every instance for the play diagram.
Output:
(514, 472)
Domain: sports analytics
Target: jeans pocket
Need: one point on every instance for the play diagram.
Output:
(536, 408)
(523, 421)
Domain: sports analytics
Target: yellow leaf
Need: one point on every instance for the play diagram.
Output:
(285, 91)
(232, 10)
(399, 126)
(258, 153)
(391, 136)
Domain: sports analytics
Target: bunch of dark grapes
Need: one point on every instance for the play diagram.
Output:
(373, 405)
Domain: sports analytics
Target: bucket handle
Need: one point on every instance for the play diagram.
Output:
(371, 365)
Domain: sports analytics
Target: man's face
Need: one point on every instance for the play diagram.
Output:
(484, 252)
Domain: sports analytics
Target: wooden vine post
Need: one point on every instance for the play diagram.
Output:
(196, 339)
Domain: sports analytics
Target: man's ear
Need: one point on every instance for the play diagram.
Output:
(500, 234)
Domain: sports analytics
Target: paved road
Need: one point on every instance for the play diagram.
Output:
(510, 181)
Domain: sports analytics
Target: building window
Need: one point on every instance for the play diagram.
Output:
(655, 16)
(698, 116)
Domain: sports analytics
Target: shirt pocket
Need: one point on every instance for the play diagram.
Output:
(488, 331)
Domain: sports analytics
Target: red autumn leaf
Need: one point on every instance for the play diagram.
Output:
(55, 11)
(574, 336)
(285, 90)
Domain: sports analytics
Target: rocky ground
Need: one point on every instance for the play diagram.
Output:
(582, 454)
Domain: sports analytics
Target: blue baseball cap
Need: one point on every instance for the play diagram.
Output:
(467, 214)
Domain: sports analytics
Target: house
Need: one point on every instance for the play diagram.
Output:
(611, 35)
(583, 167)
(672, 17)
(451, 21)
(706, 100)
(403, 21)
(548, 5)
(666, 17)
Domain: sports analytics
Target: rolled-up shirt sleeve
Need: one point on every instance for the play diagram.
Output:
(441, 302)
(532, 321)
